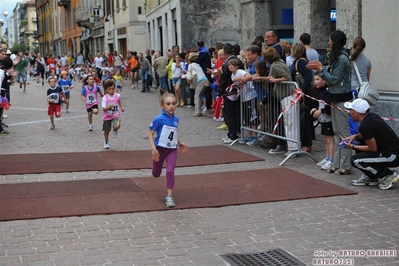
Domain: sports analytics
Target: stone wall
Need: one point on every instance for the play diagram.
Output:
(210, 21)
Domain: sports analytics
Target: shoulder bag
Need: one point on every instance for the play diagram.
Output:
(191, 77)
(299, 79)
(366, 91)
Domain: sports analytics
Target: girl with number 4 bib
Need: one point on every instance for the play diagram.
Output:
(112, 107)
(89, 96)
(164, 146)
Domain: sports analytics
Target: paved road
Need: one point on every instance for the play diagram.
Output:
(366, 221)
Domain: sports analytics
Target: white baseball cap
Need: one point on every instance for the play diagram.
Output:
(359, 105)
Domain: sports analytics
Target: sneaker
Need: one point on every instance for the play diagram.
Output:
(3, 132)
(327, 166)
(262, 137)
(170, 202)
(5, 116)
(253, 142)
(389, 180)
(114, 133)
(209, 111)
(364, 180)
(67, 110)
(20, 85)
(133, 86)
(227, 140)
(52, 127)
(106, 145)
(189, 106)
(288, 153)
(42, 83)
(222, 127)
(90, 127)
(321, 163)
(197, 115)
(278, 150)
(3, 124)
(268, 145)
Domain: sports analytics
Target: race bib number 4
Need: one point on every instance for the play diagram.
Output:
(168, 137)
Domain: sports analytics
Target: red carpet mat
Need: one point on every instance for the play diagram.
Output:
(110, 196)
(14, 164)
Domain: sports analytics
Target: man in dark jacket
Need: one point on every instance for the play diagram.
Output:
(204, 60)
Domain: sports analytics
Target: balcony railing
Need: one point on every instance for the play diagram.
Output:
(82, 15)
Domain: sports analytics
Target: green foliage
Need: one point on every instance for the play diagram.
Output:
(19, 47)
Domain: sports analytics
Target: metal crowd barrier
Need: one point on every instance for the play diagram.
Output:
(278, 117)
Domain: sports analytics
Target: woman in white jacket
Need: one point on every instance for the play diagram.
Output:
(200, 81)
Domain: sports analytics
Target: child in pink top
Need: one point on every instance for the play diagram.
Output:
(112, 106)
(89, 96)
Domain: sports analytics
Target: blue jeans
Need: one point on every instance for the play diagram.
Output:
(163, 82)
(144, 73)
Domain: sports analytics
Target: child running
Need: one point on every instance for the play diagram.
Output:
(112, 106)
(89, 96)
(118, 81)
(66, 85)
(55, 95)
(165, 145)
(323, 113)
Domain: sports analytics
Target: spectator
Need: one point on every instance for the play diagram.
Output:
(279, 72)
(145, 67)
(363, 64)
(271, 40)
(379, 151)
(118, 61)
(198, 80)
(299, 67)
(311, 53)
(159, 65)
(337, 74)
(204, 60)
(323, 113)
(79, 59)
(231, 103)
(289, 59)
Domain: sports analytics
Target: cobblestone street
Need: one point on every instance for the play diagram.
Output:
(303, 228)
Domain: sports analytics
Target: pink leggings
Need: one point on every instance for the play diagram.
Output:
(171, 157)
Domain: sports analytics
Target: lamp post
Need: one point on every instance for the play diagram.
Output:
(3, 20)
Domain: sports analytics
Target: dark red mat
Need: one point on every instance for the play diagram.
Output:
(110, 196)
(14, 164)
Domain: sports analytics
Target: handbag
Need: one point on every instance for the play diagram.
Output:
(299, 79)
(366, 91)
(191, 77)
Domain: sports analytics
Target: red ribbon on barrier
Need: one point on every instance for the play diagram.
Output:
(345, 110)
